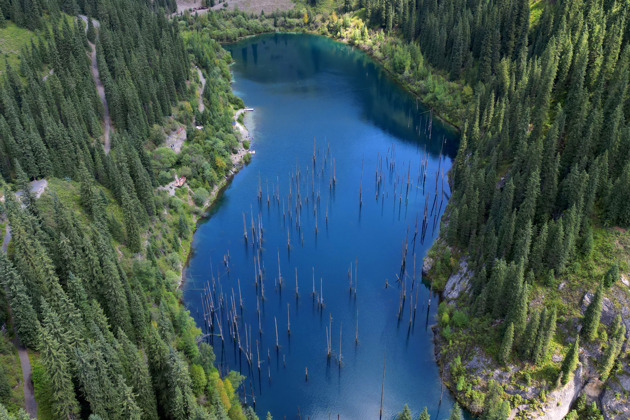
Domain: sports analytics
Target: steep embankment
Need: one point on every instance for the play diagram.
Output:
(468, 358)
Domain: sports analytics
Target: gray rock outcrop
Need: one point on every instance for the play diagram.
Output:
(458, 283)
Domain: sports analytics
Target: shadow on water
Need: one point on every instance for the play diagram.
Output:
(401, 115)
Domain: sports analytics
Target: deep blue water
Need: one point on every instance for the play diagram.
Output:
(306, 87)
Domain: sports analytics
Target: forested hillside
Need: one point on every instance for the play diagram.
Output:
(535, 226)
(92, 269)
(543, 164)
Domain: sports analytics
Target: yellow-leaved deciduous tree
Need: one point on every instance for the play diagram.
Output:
(220, 164)
(222, 392)
(305, 17)
(186, 112)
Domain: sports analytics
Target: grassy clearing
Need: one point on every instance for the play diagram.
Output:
(12, 40)
(584, 274)
(67, 192)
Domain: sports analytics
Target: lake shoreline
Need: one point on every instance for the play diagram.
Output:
(217, 191)
(395, 77)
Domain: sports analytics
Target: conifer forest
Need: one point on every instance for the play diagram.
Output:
(153, 213)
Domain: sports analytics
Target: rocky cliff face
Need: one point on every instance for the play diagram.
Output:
(613, 397)
(457, 283)
(559, 402)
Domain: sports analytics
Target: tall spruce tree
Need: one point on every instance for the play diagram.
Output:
(611, 276)
(570, 361)
(57, 366)
(24, 316)
(590, 322)
(506, 344)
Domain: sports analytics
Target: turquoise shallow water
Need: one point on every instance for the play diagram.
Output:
(306, 87)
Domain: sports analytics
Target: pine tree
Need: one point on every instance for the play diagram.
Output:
(570, 361)
(523, 243)
(556, 245)
(456, 413)
(549, 175)
(615, 345)
(182, 227)
(23, 183)
(137, 375)
(506, 235)
(451, 229)
(506, 344)
(495, 286)
(549, 278)
(617, 210)
(85, 191)
(495, 406)
(460, 159)
(131, 224)
(91, 31)
(612, 353)
(97, 388)
(405, 414)
(590, 322)
(518, 312)
(424, 415)
(528, 339)
(549, 332)
(611, 276)
(24, 316)
(527, 210)
(128, 408)
(57, 367)
(587, 243)
(250, 414)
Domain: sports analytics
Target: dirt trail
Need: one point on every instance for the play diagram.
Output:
(241, 152)
(240, 127)
(27, 381)
(30, 405)
(203, 85)
(107, 120)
